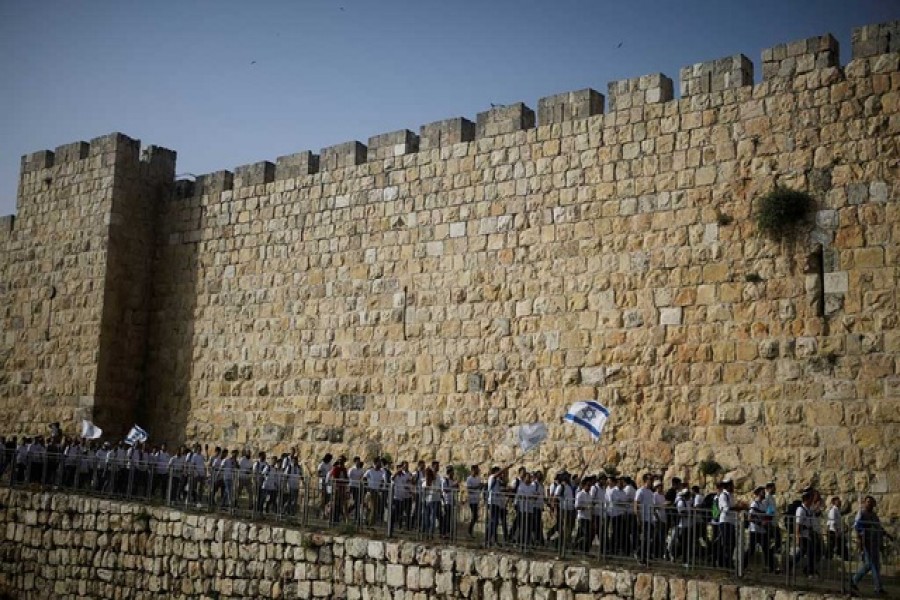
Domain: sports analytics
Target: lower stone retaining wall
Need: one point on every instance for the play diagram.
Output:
(61, 546)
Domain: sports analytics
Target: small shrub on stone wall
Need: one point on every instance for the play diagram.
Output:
(779, 212)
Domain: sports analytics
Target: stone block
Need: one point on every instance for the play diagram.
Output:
(254, 174)
(296, 165)
(446, 133)
(71, 153)
(639, 91)
(500, 120)
(569, 106)
(794, 58)
(670, 315)
(872, 40)
(716, 75)
(341, 156)
(395, 143)
(837, 282)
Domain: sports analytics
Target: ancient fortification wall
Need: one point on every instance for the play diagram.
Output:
(58, 546)
(424, 293)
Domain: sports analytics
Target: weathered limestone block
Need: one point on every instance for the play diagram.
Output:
(716, 75)
(504, 119)
(872, 40)
(395, 143)
(569, 106)
(801, 56)
(639, 91)
(343, 155)
(446, 133)
(296, 165)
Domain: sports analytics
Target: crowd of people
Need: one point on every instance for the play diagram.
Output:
(683, 524)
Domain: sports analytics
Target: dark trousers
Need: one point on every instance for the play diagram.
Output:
(726, 540)
(473, 518)
(648, 537)
(760, 539)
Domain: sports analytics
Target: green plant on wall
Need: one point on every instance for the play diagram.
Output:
(779, 212)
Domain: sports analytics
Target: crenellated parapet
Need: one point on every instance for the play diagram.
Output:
(716, 75)
(395, 143)
(801, 56)
(446, 133)
(638, 91)
(872, 40)
(504, 119)
(348, 154)
(570, 106)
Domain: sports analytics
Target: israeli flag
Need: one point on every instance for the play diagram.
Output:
(89, 431)
(136, 436)
(591, 415)
(530, 436)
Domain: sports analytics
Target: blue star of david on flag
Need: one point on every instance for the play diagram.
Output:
(591, 415)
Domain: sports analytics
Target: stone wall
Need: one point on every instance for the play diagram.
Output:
(433, 291)
(72, 289)
(57, 546)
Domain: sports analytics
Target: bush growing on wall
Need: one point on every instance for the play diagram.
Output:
(779, 212)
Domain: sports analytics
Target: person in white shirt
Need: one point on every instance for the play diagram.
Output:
(598, 502)
(354, 480)
(376, 485)
(271, 480)
(680, 543)
(584, 509)
(245, 477)
(537, 509)
(803, 533)
(526, 492)
(474, 489)
(160, 467)
(644, 509)
(728, 519)
(759, 530)
(616, 508)
(496, 500)
(837, 545)
(401, 503)
(322, 472)
(660, 524)
(293, 473)
(226, 467)
(196, 468)
(449, 491)
(175, 491)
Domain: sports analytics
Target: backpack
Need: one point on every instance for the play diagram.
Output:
(790, 515)
(716, 511)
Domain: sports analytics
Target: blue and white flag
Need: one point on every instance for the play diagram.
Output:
(591, 415)
(136, 436)
(89, 431)
(530, 436)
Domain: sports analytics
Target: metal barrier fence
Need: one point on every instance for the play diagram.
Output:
(536, 523)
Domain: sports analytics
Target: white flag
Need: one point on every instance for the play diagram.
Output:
(89, 431)
(531, 435)
(136, 436)
(591, 415)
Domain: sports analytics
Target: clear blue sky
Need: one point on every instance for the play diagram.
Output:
(180, 74)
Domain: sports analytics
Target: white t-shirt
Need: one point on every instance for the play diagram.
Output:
(565, 495)
(726, 514)
(598, 497)
(757, 512)
(804, 520)
(685, 519)
(834, 519)
(355, 474)
(374, 478)
(583, 505)
(645, 500)
(495, 491)
(616, 501)
(401, 485)
(474, 486)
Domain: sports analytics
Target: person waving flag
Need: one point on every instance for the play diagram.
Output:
(591, 415)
